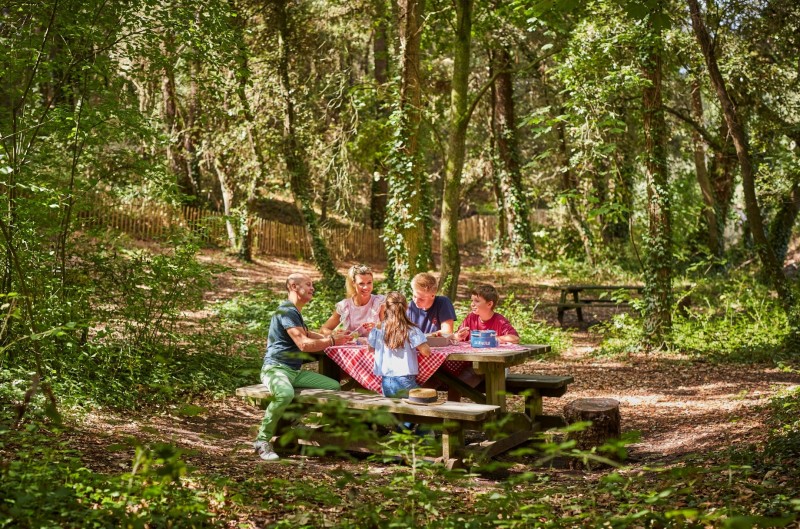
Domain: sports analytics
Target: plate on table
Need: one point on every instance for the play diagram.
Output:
(439, 341)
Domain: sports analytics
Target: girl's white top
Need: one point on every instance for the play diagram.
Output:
(396, 362)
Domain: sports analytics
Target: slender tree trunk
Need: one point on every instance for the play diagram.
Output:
(618, 227)
(658, 258)
(456, 150)
(191, 131)
(407, 219)
(294, 156)
(504, 127)
(502, 233)
(245, 248)
(771, 266)
(379, 184)
(569, 185)
(710, 209)
(780, 229)
(175, 159)
(227, 199)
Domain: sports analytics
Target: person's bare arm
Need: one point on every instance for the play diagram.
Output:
(424, 349)
(508, 338)
(309, 344)
(447, 327)
(328, 327)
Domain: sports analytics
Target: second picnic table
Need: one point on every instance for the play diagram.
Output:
(578, 303)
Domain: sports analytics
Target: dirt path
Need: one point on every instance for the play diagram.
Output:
(679, 407)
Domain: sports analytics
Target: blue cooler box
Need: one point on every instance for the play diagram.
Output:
(483, 339)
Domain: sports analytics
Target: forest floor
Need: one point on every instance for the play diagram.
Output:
(680, 407)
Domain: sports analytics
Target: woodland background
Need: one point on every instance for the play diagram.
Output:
(613, 140)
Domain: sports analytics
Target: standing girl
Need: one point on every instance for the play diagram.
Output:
(396, 342)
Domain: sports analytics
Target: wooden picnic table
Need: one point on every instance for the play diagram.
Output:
(491, 362)
(454, 418)
(578, 303)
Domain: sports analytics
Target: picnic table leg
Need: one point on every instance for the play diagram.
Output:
(495, 384)
(578, 309)
(329, 368)
(561, 308)
(452, 440)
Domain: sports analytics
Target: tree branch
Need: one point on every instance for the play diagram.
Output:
(711, 140)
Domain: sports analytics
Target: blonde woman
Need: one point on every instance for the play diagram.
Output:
(361, 310)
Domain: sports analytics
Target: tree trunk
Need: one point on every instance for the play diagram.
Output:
(456, 150)
(379, 185)
(658, 254)
(618, 228)
(191, 131)
(296, 166)
(407, 220)
(710, 209)
(495, 168)
(504, 128)
(227, 200)
(169, 114)
(771, 267)
(780, 229)
(245, 248)
(568, 183)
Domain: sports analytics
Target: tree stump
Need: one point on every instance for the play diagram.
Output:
(605, 418)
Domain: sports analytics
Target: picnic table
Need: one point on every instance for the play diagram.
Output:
(453, 418)
(358, 361)
(599, 297)
(444, 363)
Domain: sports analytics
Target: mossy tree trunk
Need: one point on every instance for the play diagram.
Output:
(407, 221)
(658, 254)
(516, 214)
(294, 156)
(771, 266)
(379, 184)
(456, 149)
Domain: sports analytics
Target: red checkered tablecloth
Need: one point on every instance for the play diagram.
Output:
(358, 362)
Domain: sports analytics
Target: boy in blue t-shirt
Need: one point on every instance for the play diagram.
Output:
(433, 314)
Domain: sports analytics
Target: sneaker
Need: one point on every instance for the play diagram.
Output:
(265, 451)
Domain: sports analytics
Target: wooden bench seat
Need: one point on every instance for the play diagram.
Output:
(534, 387)
(454, 417)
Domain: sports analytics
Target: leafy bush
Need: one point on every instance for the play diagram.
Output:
(45, 484)
(735, 320)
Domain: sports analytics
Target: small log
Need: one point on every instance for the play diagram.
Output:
(605, 418)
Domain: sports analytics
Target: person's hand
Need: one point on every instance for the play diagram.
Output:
(463, 334)
(368, 326)
(341, 338)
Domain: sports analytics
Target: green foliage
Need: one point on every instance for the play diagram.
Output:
(45, 484)
(784, 442)
(732, 320)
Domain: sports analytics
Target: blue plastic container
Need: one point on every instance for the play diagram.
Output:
(483, 339)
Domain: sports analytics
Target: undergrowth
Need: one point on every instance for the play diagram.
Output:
(734, 320)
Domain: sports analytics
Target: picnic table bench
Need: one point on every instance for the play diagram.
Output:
(454, 417)
(599, 298)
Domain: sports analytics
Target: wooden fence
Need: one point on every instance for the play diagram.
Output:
(150, 221)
